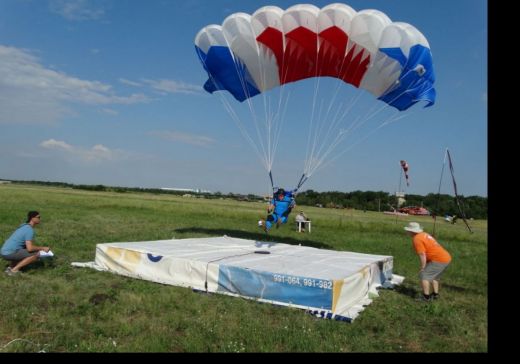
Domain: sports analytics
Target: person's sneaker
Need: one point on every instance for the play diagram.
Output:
(435, 296)
(261, 225)
(422, 298)
(11, 272)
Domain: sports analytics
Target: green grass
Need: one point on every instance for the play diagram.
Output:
(58, 308)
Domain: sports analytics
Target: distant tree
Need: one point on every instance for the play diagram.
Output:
(439, 204)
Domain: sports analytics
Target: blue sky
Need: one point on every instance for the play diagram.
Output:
(110, 92)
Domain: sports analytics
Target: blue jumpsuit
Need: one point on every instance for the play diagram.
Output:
(282, 208)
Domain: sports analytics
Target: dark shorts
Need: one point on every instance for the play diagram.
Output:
(433, 271)
(19, 255)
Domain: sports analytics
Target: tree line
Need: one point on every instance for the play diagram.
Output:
(439, 204)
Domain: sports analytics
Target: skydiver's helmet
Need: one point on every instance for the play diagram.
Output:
(280, 192)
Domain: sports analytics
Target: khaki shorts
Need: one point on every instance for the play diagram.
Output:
(19, 255)
(433, 271)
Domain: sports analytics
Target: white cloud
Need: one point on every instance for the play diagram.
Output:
(174, 136)
(171, 86)
(164, 86)
(110, 111)
(124, 81)
(97, 153)
(56, 144)
(32, 93)
(77, 10)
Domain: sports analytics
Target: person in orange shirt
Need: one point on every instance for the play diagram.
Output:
(433, 257)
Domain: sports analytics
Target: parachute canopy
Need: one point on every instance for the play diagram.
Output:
(251, 54)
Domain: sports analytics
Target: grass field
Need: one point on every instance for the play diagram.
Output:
(55, 307)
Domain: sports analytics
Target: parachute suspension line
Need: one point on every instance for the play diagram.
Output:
(243, 130)
(319, 141)
(313, 158)
(268, 116)
(314, 151)
(336, 120)
(278, 118)
(439, 192)
(358, 122)
(273, 121)
(389, 120)
(339, 137)
(236, 119)
(264, 148)
(355, 143)
(314, 132)
(281, 118)
(265, 145)
(397, 83)
(275, 117)
(320, 156)
(303, 178)
(314, 126)
(390, 89)
(259, 148)
(263, 155)
(383, 107)
(271, 178)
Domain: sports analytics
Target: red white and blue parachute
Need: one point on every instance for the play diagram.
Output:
(250, 54)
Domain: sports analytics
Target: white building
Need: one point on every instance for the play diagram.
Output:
(192, 190)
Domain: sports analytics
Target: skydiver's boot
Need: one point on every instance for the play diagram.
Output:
(263, 226)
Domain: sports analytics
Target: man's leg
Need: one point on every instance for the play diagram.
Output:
(435, 285)
(436, 278)
(26, 261)
(425, 287)
(271, 219)
(281, 220)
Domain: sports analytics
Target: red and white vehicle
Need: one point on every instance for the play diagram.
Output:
(415, 210)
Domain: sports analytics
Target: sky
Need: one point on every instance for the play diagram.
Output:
(110, 92)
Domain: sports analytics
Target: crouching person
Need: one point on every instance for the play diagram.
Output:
(19, 249)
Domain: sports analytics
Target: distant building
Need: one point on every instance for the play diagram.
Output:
(400, 198)
(192, 190)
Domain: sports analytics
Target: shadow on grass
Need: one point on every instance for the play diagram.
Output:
(38, 265)
(462, 289)
(253, 236)
(407, 291)
(413, 292)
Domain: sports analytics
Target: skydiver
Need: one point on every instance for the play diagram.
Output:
(279, 209)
